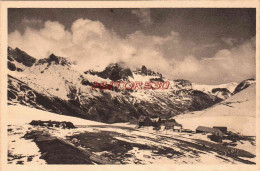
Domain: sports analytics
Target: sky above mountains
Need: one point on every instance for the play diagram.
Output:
(208, 46)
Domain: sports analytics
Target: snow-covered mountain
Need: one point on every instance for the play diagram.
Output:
(54, 84)
(222, 91)
(238, 113)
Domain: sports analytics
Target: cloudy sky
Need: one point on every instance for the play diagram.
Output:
(209, 46)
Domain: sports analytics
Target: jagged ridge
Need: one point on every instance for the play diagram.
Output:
(68, 89)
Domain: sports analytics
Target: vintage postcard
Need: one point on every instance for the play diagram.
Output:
(129, 85)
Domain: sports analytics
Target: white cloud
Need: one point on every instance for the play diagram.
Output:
(93, 46)
(229, 41)
(227, 65)
(53, 30)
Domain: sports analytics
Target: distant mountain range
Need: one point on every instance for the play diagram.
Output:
(54, 84)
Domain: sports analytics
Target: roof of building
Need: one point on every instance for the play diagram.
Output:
(155, 118)
(208, 129)
(171, 120)
(222, 127)
(142, 118)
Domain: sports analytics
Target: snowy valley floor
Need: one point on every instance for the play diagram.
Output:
(118, 143)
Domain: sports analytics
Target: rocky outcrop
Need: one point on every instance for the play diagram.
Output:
(146, 72)
(183, 84)
(244, 84)
(53, 59)
(222, 93)
(64, 125)
(113, 72)
(11, 66)
(20, 56)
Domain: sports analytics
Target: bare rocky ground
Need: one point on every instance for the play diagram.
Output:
(120, 144)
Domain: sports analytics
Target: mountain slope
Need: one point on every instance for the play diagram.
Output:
(222, 91)
(20, 93)
(238, 113)
(64, 88)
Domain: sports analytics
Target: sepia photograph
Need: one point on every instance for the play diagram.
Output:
(139, 86)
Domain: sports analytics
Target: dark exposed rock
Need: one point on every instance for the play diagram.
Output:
(37, 123)
(114, 72)
(146, 72)
(99, 85)
(182, 83)
(10, 58)
(64, 125)
(20, 56)
(221, 92)
(19, 70)
(202, 100)
(55, 60)
(243, 85)
(11, 66)
(86, 82)
(11, 95)
(157, 79)
(225, 90)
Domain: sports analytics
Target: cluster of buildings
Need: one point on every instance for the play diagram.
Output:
(216, 133)
(156, 122)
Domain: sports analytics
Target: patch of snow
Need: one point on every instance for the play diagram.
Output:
(18, 114)
(237, 113)
(25, 151)
(208, 88)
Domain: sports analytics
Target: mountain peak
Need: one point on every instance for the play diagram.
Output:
(20, 56)
(114, 71)
(53, 59)
(146, 72)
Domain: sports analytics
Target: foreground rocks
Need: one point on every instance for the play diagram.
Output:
(52, 147)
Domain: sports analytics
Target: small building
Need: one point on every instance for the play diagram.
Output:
(171, 120)
(221, 128)
(169, 125)
(187, 130)
(172, 124)
(214, 131)
(177, 128)
(156, 121)
(144, 121)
